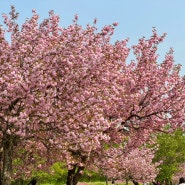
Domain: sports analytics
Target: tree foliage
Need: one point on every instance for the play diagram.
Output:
(137, 165)
(67, 93)
(171, 151)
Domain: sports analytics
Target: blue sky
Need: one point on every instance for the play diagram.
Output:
(136, 18)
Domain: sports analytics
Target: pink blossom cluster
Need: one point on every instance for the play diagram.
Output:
(67, 93)
(136, 165)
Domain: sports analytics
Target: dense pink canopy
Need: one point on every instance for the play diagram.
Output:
(71, 90)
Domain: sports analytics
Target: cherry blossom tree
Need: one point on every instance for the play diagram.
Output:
(24, 84)
(136, 165)
(67, 93)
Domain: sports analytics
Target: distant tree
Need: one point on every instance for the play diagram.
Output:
(171, 150)
(135, 166)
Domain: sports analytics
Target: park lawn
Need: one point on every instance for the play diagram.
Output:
(90, 183)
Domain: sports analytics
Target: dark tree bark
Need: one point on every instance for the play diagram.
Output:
(6, 171)
(1, 162)
(126, 181)
(106, 180)
(135, 182)
(74, 175)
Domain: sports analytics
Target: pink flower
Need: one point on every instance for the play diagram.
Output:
(115, 24)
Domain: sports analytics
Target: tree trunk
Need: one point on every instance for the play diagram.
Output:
(0, 177)
(135, 182)
(1, 162)
(74, 175)
(7, 159)
(126, 181)
(106, 180)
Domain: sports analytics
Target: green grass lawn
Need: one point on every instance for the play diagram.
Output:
(89, 183)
